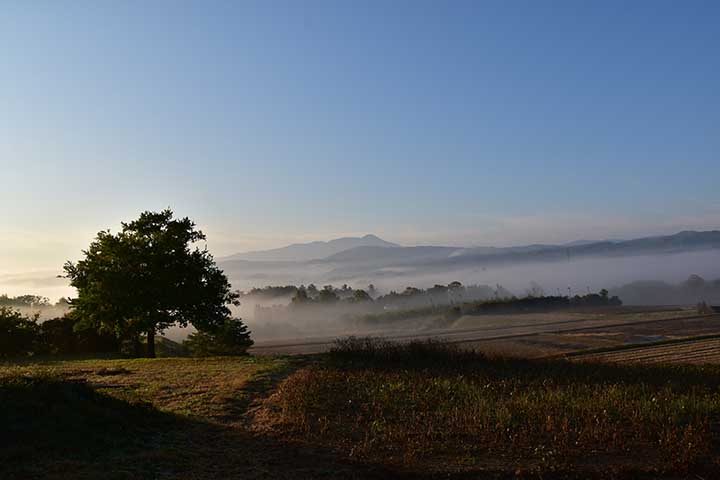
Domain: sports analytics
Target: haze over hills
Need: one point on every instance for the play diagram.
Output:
(371, 248)
(371, 259)
(298, 252)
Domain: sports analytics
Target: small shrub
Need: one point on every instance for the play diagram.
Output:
(19, 335)
(230, 338)
(65, 335)
(385, 353)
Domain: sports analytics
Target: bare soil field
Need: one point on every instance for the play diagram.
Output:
(612, 335)
(696, 351)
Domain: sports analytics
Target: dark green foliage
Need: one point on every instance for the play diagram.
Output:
(361, 296)
(66, 335)
(596, 299)
(300, 297)
(24, 301)
(410, 298)
(231, 337)
(515, 305)
(509, 305)
(327, 295)
(147, 278)
(693, 290)
(270, 292)
(19, 334)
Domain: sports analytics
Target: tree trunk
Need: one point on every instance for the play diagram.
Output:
(151, 343)
(135, 345)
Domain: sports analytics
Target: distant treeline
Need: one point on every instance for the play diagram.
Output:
(692, 291)
(26, 335)
(508, 305)
(443, 302)
(410, 297)
(30, 301)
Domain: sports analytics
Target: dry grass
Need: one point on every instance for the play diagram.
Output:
(432, 406)
(370, 409)
(203, 388)
(156, 419)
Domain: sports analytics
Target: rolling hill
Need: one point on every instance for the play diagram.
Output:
(299, 252)
(369, 257)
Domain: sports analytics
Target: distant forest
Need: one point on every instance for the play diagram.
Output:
(693, 290)
(30, 301)
(364, 306)
(410, 297)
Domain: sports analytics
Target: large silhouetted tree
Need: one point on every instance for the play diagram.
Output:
(149, 277)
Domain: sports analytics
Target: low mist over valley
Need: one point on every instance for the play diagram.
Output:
(577, 265)
(359, 240)
(640, 271)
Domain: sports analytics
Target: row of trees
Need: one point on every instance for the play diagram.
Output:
(30, 301)
(694, 289)
(24, 335)
(454, 292)
(506, 305)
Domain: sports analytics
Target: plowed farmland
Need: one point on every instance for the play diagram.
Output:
(692, 351)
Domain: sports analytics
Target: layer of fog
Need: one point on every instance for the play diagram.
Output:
(43, 283)
(579, 275)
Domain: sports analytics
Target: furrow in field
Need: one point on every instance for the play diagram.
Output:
(698, 351)
(672, 350)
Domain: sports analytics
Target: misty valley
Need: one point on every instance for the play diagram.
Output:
(359, 240)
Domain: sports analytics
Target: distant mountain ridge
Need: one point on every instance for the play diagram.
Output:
(372, 249)
(299, 252)
(370, 258)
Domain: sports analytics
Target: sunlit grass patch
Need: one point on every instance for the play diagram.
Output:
(126, 418)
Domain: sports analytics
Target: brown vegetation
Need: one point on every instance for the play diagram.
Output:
(431, 406)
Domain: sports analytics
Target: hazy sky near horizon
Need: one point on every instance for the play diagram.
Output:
(271, 122)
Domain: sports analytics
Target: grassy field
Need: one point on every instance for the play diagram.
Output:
(444, 410)
(366, 410)
(149, 419)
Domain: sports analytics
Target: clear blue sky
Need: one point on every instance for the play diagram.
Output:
(424, 122)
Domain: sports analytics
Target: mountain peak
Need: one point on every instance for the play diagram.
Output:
(312, 250)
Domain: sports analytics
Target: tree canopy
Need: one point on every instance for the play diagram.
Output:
(149, 277)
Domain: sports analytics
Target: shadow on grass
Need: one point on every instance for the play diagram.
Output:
(53, 428)
(59, 429)
(256, 389)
